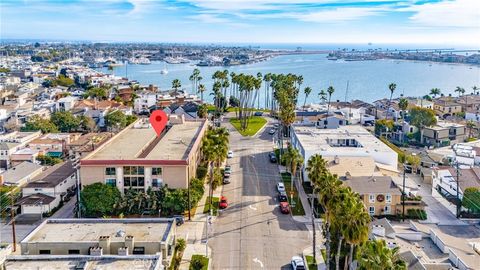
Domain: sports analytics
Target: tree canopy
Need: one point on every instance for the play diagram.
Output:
(98, 199)
(471, 199)
(65, 121)
(422, 117)
(38, 123)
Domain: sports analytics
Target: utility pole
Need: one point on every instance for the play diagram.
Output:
(12, 214)
(403, 192)
(75, 158)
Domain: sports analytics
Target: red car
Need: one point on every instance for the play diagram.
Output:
(284, 208)
(223, 202)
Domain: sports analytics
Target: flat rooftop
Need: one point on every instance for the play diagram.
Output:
(140, 142)
(320, 140)
(72, 262)
(90, 230)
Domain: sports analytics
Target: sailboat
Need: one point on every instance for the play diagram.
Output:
(164, 71)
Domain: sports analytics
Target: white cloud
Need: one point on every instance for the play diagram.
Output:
(339, 14)
(458, 13)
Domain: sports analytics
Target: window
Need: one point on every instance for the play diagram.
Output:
(388, 198)
(109, 171)
(371, 198)
(38, 189)
(73, 251)
(133, 181)
(138, 250)
(44, 251)
(157, 182)
(387, 209)
(111, 182)
(156, 171)
(133, 170)
(371, 210)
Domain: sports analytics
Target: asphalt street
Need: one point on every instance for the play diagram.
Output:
(252, 233)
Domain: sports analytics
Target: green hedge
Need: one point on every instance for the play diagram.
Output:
(198, 262)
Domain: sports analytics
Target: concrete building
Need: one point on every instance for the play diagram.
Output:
(444, 133)
(48, 189)
(144, 100)
(345, 141)
(65, 104)
(20, 174)
(445, 107)
(380, 195)
(103, 237)
(136, 158)
(84, 262)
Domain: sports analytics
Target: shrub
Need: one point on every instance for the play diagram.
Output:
(199, 262)
(201, 172)
(181, 244)
(98, 199)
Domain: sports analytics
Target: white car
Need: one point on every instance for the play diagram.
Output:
(297, 263)
(280, 187)
(230, 154)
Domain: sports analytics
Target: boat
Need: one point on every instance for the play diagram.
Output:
(333, 58)
(164, 71)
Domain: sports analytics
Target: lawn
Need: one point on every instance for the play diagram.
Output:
(255, 123)
(298, 209)
(215, 201)
(198, 262)
(311, 264)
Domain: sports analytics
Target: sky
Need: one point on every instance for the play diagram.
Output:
(443, 22)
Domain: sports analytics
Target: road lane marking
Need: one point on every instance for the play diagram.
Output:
(256, 260)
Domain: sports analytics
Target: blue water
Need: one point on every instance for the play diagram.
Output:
(368, 80)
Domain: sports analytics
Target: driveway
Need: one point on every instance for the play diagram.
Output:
(252, 233)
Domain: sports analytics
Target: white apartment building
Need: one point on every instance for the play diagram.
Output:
(144, 101)
(345, 141)
(11, 142)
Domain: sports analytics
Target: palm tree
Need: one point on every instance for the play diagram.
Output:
(460, 91)
(176, 84)
(356, 230)
(376, 255)
(470, 125)
(475, 90)
(201, 89)
(434, 92)
(307, 92)
(392, 88)
(202, 111)
(403, 105)
(330, 91)
(323, 96)
(295, 160)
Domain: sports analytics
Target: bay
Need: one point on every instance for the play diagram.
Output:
(367, 80)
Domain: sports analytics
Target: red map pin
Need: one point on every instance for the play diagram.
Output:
(158, 120)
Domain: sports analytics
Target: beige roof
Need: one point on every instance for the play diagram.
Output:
(56, 231)
(355, 166)
(373, 184)
(131, 143)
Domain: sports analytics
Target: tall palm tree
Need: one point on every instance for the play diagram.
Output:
(176, 84)
(323, 96)
(403, 105)
(356, 229)
(460, 91)
(330, 91)
(376, 255)
(201, 89)
(470, 125)
(475, 90)
(392, 88)
(294, 160)
(307, 92)
(434, 92)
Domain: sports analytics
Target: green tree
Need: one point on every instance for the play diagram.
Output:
(202, 111)
(422, 117)
(99, 199)
(201, 89)
(87, 124)
(38, 123)
(383, 125)
(460, 91)
(403, 105)
(330, 91)
(435, 92)
(307, 92)
(96, 92)
(176, 85)
(414, 161)
(48, 160)
(392, 88)
(130, 119)
(471, 199)
(470, 125)
(116, 120)
(376, 255)
(65, 121)
(323, 96)
(64, 81)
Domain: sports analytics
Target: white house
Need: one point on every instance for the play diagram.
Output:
(11, 142)
(444, 181)
(473, 115)
(345, 141)
(50, 187)
(65, 104)
(144, 101)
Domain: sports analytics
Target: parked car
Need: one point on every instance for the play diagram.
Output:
(273, 157)
(284, 208)
(179, 220)
(281, 187)
(258, 113)
(226, 179)
(230, 154)
(272, 131)
(223, 202)
(227, 170)
(297, 263)
(282, 197)
(276, 125)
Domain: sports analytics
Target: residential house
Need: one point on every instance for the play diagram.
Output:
(473, 115)
(20, 174)
(11, 142)
(187, 110)
(320, 119)
(446, 107)
(380, 195)
(65, 104)
(445, 181)
(48, 189)
(144, 100)
(443, 133)
(24, 154)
